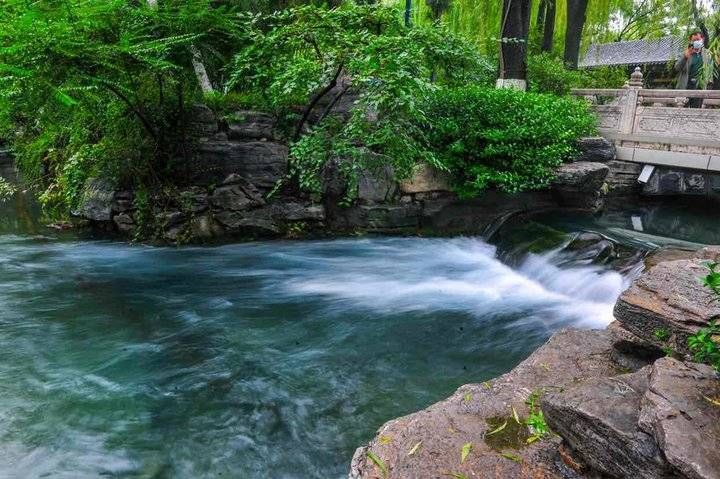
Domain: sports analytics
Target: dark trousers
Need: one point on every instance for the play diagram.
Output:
(694, 102)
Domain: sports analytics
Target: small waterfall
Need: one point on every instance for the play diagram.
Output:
(465, 274)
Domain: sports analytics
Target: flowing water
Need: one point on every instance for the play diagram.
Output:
(270, 359)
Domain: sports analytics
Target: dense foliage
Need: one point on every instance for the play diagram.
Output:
(547, 74)
(104, 88)
(101, 86)
(298, 55)
(504, 138)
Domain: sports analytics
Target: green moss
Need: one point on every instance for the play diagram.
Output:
(513, 436)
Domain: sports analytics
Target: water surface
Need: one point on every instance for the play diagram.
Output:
(270, 359)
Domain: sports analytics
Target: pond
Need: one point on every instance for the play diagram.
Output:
(269, 359)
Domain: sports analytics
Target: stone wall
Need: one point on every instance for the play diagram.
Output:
(222, 192)
(676, 181)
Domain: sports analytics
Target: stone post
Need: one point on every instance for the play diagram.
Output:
(630, 101)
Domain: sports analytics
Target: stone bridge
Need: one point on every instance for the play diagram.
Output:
(677, 146)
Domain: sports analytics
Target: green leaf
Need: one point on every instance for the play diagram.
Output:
(378, 462)
(467, 447)
(456, 475)
(515, 415)
(497, 430)
(467, 397)
(512, 457)
(415, 448)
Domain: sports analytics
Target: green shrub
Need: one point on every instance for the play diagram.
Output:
(504, 138)
(548, 74)
(704, 345)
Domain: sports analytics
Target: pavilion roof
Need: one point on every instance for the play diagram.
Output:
(636, 52)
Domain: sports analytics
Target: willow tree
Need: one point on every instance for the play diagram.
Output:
(514, 31)
(545, 24)
(576, 10)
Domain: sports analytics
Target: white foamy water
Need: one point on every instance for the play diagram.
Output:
(270, 359)
(463, 274)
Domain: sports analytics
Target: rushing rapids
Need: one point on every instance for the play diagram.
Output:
(269, 359)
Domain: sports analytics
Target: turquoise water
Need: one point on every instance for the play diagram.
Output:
(263, 360)
(255, 360)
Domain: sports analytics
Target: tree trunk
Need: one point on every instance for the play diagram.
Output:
(513, 47)
(200, 72)
(197, 63)
(573, 32)
(540, 20)
(549, 26)
(408, 12)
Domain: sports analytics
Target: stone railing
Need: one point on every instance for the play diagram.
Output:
(657, 126)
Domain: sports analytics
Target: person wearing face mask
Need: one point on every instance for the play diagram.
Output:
(694, 68)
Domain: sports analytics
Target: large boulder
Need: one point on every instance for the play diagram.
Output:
(580, 184)
(263, 163)
(251, 125)
(475, 409)
(203, 122)
(377, 186)
(598, 419)
(681, 409)
(596, 148)
(425, 179)
(667, 303)
(97, 200)
(236, 194)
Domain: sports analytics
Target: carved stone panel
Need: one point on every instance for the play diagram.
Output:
(608, 117)
(678, 122)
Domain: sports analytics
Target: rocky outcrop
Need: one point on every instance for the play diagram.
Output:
(667, 304)
(598, 419)
(617, 408)
(223, 188)
(475, 410)
(659, 422)
(580, 184)
(595, 148)
(96, 203)
(681, 410)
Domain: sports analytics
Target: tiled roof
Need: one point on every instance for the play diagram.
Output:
(637, 52)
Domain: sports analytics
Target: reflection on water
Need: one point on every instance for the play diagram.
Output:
(673, 221)
(20, 213)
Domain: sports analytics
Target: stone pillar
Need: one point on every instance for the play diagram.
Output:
(630, 101)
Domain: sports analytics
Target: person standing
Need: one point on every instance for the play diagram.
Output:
(695, 68)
